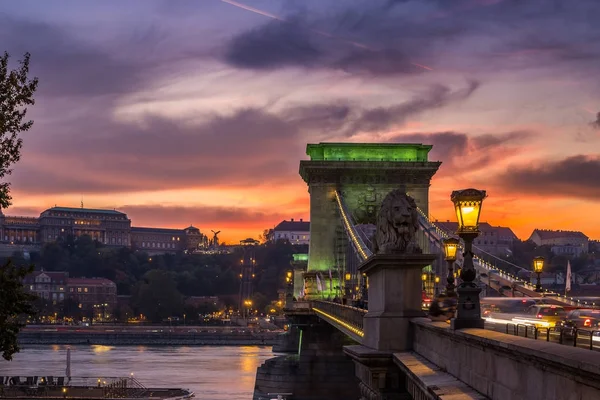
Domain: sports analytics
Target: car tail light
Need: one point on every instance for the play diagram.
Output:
(539, 315)
(587, 322)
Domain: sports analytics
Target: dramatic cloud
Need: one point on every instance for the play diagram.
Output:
(350, 119)
(382, 118)
(400, 37)
(238, 149)
(242, 149)
(65, 65)
(462, 152)
(205, 215)
(576, 176)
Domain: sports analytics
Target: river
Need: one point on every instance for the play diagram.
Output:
(213, 373)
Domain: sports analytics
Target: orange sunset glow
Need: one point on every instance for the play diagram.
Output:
(199, 114)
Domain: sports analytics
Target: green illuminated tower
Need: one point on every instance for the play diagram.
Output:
(363, 173)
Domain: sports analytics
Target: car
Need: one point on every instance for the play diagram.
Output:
(581, 318)
(548, 314)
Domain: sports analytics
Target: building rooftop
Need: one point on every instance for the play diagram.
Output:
(368, 151)
(53, 275)
(140, 229)
(302, 226)
(550, 234)
(84, 210)
(451, 227)
(89, 281)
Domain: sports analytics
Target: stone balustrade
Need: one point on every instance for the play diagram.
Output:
(500, 366)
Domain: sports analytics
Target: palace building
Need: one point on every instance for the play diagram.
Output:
(109, 227)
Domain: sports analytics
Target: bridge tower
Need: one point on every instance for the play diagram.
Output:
(363, 173)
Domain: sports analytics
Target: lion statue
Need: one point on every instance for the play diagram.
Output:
(397, 225)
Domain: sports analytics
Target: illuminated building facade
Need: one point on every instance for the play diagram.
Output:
(109, 227)
(93, 294)
(50, 286)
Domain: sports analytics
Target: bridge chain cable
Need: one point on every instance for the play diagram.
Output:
(520, 285)
(355, 238)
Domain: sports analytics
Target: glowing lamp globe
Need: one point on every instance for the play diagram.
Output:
(467, 204)
(538, 264)
(450, 248)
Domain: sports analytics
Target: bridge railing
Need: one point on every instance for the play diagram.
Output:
(348, 315)
(521, 285)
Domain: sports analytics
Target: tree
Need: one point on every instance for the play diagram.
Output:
(16, 92)
(15, 302)
(157, 297)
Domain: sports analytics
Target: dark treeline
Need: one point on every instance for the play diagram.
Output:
(159, 284)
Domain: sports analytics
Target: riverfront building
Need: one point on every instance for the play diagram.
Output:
(109, 227)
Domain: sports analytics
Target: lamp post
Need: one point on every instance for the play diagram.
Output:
(467, 204)
(450, 248)
(289, 295)
(365, 288)
(538, 267)
(348, 286)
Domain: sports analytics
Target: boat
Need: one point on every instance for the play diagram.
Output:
(50, 387)
(68, 387)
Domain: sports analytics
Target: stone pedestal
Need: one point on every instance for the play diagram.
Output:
(380, 378)
(468, 308)
(395, 290)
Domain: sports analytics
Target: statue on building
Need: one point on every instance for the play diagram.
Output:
(215, 239)
(397, 225)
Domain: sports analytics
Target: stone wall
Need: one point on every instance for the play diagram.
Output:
(321, 372)
(507, 367)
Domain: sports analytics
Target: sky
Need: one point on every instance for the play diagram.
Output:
(183, 112)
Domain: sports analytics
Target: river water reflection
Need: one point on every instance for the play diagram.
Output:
(213, 373)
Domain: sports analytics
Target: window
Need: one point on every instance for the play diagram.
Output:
(78, 290)
(85, 290)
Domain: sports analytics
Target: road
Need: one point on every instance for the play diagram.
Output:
(550, 335)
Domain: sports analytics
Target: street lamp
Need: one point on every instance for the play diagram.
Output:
(348, 285)
(538, 267)
(467, 204)
(450, 248)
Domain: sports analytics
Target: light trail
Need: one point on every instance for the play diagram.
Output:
(318, 32)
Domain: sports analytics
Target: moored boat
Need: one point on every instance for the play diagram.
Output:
(50, 387)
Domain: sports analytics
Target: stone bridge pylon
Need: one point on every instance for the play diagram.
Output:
(363, 173)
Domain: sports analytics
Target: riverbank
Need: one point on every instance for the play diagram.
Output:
(149, 339)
